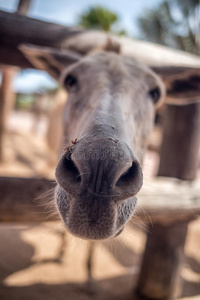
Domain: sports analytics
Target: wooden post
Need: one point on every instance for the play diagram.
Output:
(8, 73)
(23, 7)
(159, 277)
(6, 100)
(181, 140)
(162, 260)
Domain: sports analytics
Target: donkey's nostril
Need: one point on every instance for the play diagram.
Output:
(67, 175)
(71, 170)
(128, 176)
(131, 177)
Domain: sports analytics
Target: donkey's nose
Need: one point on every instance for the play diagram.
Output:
(102, 167)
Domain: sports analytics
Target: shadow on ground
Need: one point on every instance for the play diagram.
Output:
(16, 255)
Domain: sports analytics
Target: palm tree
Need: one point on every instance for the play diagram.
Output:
(173, 23)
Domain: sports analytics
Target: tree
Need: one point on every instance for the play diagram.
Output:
(173, 23)
(100, 18)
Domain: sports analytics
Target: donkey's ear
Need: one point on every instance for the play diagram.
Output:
(52, 60)
(182, 84)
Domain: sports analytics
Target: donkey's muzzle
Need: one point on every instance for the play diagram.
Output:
(102, 167)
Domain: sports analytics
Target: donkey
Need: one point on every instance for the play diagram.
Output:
(109, 116)
(107, 120)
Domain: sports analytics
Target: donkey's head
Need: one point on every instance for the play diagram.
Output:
(106, 123)
(109, 114)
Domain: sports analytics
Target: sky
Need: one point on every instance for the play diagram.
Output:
(67, 12)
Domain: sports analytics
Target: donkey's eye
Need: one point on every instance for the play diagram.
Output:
(70, 81)
(155, 94)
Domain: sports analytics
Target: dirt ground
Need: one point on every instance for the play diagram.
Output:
(40, 262)
(33, 266)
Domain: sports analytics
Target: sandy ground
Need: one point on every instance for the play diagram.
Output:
(32, 265)
(40, 262)
(25, 152)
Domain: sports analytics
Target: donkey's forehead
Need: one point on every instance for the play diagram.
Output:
(114, 68)
(112, 62)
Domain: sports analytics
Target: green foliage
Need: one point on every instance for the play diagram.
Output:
(173, 23)
(100, 18)
(24, 101)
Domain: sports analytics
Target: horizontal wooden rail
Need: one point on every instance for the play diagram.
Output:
(177, 68)
(17, 29)
(25, 199)
(168, 200)
(162, 200)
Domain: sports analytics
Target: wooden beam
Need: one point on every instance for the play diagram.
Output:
(25, 199)
(16, 29)
(153, 55)
(29, 199)
(169, 200)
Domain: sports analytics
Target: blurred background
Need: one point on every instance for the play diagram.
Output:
(41, 261)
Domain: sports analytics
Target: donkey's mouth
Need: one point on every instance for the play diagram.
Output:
(88, 221)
